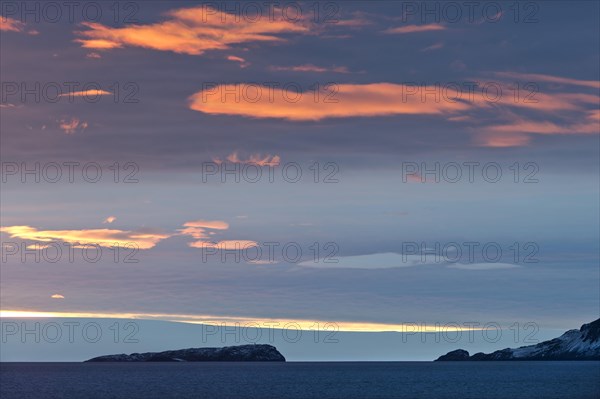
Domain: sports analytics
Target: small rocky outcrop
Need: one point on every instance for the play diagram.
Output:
(241, 353)
(457, 355)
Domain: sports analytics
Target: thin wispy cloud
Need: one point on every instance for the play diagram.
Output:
(435, 46)
(392, 260)
(243, 63)
(536, 77)
(483, 266)
(311, 68)
(401, 30)
(225, 245)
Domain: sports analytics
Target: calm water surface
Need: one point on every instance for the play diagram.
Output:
(302, 380)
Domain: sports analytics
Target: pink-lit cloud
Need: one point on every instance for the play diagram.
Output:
(8, 24)
(254, 159)
(70, 126)
(242, 61)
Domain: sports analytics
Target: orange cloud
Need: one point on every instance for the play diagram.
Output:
(535, 77)
(57, 296)
(197, 228)
(310, 68)
(109, 219)
(209, 224)
(72, 125)
(86, 93)
(340, 101)
(502, 140)
(190, 31)
(415, 29)
(101, 237)
(11, 25)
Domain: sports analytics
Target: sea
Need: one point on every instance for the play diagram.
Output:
(435, 380)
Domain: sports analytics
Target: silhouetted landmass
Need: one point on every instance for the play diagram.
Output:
(241, 353)
(582, 344)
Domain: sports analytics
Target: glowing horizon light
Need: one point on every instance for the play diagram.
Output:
(301, 324)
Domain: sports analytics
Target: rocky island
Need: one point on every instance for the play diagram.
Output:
(582, 344)
(241, 353)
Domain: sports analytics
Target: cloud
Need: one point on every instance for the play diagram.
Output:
(391, 260)
(198, 229)
(8, 24)
(589, 124)
(415, 29)
(209, 224)
(227, 245)
(93, 55)
(57, 296)
(502, 140)
(310, 68)
(536, 77)
(262, 262)
(545, 127)
(86, 93)
(190, 31)
(254, 159)
(101, 237)
(387, 260)
(482, 266)
(109, 219)
(339, 101)
(435, 46)
(242, 61)
(72, 125)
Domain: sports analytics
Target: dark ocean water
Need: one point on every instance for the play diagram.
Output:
(506, 380)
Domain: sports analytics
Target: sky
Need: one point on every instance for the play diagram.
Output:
(367, 164)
